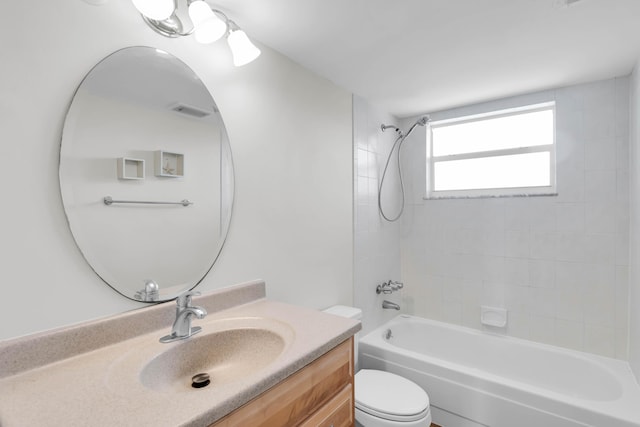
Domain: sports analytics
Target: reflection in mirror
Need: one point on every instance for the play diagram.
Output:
(146, 174)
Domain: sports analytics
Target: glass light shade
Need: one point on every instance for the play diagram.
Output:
(155, 9)
(242, 49)
(207, 26)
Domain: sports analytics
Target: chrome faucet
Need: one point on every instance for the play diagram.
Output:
(182, 325)
(389, 304)
(151, 291)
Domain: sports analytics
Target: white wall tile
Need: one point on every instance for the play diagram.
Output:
(517, 299)
(622, 298)
(600, 217)
(622, 153)
(570, 217)
(621, 105)
(542, 302)
(516, 214)
(492, 214)
(362, 194)
(362, 162)
(571, 247)
(516, 244)
(598, 95)
(600, 185)
(493, 270)
(569, 334)
(600, 154)
(493, 294)
(571, 276)
(542, 213)
(452, 312)
(599, 308)
(516, 272)
(542, 274)
(599, 340)
(622, 249)
(543, 245)
(569, 305)
(493, 242)
(599, 248)
(570, 184)
(519, 324)
(542, 329)
(599, 122)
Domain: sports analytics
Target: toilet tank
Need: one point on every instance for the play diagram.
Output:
(351, 313)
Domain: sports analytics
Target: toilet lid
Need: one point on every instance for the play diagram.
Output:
(390, 396)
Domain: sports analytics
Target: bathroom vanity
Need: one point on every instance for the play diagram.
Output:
(320, 394)
(270, 364)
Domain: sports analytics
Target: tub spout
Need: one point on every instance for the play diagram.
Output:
(389, 304)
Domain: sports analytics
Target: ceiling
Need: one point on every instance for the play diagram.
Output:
(417, 56)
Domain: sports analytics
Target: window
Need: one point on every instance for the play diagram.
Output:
(507, 152)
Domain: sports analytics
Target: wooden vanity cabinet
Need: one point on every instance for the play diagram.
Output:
(319, 395)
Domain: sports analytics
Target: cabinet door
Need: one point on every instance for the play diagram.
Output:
(338, 412)
(299, 396)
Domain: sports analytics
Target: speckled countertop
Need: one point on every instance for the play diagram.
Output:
(91, 374)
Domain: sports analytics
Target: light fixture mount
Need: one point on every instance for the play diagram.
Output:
(205, 22)
(170, 27)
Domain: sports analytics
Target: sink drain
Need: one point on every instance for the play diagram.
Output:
(200, 380)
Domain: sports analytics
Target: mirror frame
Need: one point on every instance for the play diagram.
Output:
(227, 194)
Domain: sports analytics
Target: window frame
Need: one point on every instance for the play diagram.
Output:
(548, 190)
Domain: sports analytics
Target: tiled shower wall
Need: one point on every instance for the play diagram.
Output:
(634, 221)
(558, 264)
(376, 242)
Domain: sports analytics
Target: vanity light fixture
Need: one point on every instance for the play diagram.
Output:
(207, 25)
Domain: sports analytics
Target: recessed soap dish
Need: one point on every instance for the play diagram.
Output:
(493, 316)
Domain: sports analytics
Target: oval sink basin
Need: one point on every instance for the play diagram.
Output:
(230, 350)
(227, 355)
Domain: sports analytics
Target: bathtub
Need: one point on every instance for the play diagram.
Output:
(476, 378)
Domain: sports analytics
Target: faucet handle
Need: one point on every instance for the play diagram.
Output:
(396, 285)
(184, 299)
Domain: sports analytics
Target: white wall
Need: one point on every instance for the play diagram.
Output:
(558, 264)
(291, 139)
(634, 221)
(377, 242)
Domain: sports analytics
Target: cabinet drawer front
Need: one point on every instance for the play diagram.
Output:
(338, 412)
(300, 395)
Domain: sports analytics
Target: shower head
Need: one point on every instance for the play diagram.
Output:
(422, 121)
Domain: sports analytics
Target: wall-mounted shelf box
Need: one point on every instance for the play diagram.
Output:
(130, 168)
(168, 164)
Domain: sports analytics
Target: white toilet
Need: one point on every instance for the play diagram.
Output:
(384, 399)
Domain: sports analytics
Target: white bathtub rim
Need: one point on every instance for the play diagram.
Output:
(623, 408)
(400, 369)
(607, 361)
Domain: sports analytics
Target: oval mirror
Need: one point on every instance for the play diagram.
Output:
(146, 174)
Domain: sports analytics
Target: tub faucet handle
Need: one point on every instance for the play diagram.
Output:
(385, 288)
(389, 287)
